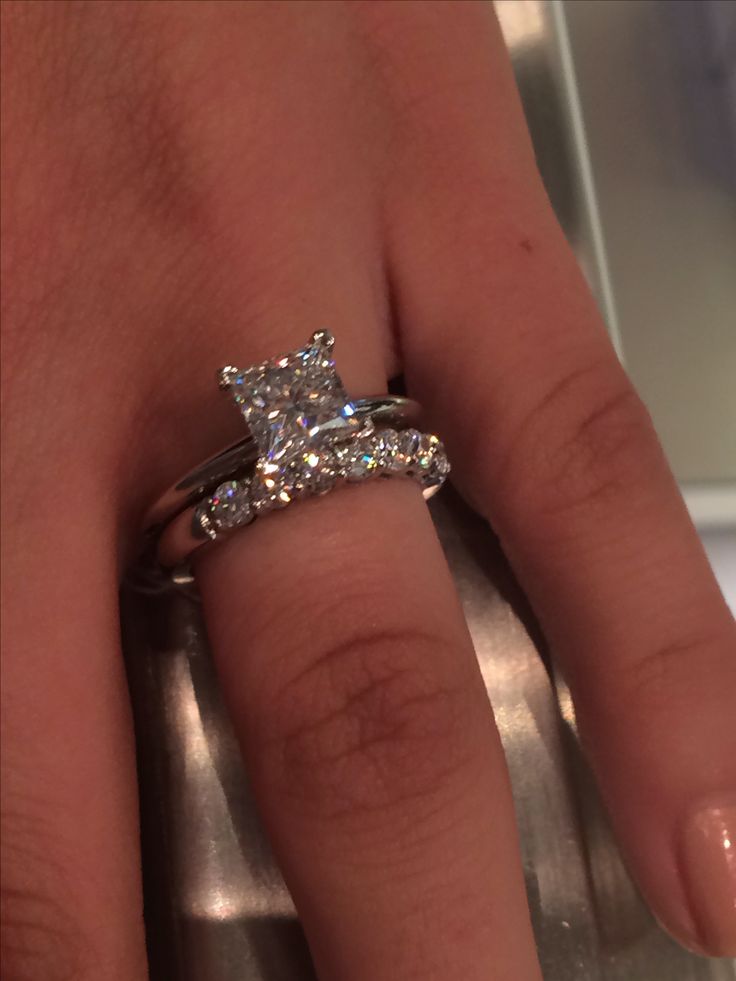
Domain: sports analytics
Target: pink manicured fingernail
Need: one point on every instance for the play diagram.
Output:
(709, 868)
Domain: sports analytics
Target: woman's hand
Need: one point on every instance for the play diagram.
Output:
(191, 184)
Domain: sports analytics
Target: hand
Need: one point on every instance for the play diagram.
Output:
(187, 185)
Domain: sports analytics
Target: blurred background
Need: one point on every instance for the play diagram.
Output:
(632, 109)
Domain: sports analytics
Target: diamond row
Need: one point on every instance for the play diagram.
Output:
(384, 453)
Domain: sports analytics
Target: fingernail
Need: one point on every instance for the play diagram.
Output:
(709, 869)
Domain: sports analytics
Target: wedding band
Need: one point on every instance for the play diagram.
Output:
(306, 436)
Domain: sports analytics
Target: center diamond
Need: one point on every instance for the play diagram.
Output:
(293, 405)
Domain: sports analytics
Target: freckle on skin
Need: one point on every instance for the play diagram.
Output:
(526, 245)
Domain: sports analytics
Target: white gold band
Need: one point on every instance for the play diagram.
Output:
(306, 437)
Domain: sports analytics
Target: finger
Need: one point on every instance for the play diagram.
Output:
(71, 902)
(354, 689)
(550, 441)
(341, 648)
(71, 897)
(358, 702)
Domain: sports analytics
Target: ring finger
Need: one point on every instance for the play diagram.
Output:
(341, 648)
(355, 692)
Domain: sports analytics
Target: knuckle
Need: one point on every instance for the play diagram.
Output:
(671, 673)
(583, 445)
(41, 938)
(367, 725)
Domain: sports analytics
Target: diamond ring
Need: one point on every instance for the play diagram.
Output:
(306, 436)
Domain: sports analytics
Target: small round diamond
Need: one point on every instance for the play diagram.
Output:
(362, 462)
(426, 450)
(384, 444)
(227, 508)
(437, 467)
(269, 492)
(407, 448)
(316, 472)
(343, 459)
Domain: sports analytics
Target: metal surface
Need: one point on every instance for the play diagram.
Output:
(216, 907)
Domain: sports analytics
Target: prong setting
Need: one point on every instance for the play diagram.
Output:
(384, 453)
(323, 338)
(226, 377)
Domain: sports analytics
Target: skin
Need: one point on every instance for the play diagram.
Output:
(188, 185)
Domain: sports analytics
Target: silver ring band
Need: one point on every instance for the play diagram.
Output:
(305, 437)
(236, 503)
(237, 459)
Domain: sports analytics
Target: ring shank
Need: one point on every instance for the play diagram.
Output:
(168, 524)
(236, 459)
(178, 540)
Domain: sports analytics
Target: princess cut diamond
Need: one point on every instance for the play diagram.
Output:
(296, 408)
(294, 402)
